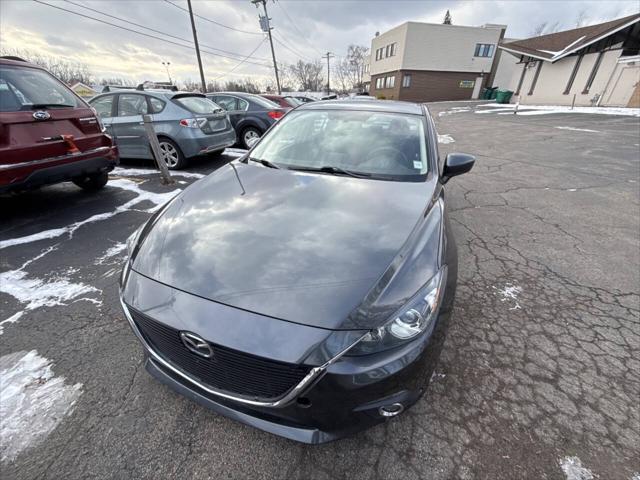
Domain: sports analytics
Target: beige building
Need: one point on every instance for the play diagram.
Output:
(428, 62)
(598, 65)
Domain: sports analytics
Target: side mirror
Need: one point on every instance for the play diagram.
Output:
(252, 141)
(456, 164)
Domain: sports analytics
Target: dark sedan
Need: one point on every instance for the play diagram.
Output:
(304, 288)
(251, 115)
(282, 100)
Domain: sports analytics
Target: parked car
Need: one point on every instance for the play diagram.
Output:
(304, 288)
(48, 134)
(303, 99)
(251, 115)
(283, 100)
(187, 124)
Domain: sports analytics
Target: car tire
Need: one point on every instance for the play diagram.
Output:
(172, 155)
(247, 133)
(92, 182)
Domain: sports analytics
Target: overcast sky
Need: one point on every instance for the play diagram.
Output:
(303, 29)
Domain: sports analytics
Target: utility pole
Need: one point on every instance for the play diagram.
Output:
(266, 27)
(328, 56)
(166, 65)
(195, 41)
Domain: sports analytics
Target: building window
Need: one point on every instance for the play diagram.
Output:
(387, 49)
(393, 49)
(535, 78)
(484, 50)
(574, 72)
(592, 75)
(379, 82)
(390, 81)
(406, 80)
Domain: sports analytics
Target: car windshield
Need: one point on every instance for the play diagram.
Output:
(26, 88)
(372, 144)
(198, 105)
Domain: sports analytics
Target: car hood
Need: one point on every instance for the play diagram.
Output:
(307, 248)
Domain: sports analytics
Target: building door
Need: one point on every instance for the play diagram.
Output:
(476, 88)
(624, 90)
(634, 101)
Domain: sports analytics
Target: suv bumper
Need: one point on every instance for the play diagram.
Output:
(54, 170)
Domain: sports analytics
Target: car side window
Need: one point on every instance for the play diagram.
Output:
(132, 105)
(243, 104)
(156, 104)
(104, 106)
(228, 103)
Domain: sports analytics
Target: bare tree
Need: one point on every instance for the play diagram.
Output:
(350, 69)
(581, 18)
(545, 28)
(68, 72)
(538, 29)
(308, 75)
(447, 18)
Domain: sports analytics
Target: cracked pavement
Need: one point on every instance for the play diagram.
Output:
(541, 360)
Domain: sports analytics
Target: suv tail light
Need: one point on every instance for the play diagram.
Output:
(275, 114)
(194, 122)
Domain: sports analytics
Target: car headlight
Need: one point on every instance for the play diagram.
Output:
(415, 318)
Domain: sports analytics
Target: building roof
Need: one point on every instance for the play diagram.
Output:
(554, 46)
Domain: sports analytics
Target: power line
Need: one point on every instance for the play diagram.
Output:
(297, 29)
(153, 30)
(213, 21)
(242, 62)
(296, 53)
(190, 47)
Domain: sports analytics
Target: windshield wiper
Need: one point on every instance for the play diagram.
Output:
(331, 169)
(264, 162)
(35, 106)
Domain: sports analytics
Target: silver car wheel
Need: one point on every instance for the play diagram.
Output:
(169, 154)
(249, 135)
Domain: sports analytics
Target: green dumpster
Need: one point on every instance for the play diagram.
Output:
(503, 96)
(485, 94)
(494, 92)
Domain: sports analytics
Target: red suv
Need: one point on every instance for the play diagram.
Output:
(47, 133)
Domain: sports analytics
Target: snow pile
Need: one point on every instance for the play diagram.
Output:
(445, 139)
(547, 109)
(573, 469)
(133, 172)
(32, 401)
(158, 199)
(454, 110)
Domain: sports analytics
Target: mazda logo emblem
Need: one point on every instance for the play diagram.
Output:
(41, 115)
(196, 344)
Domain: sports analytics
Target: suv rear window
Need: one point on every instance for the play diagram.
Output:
(29, 88)
(198, 105)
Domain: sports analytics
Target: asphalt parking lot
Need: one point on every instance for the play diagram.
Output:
(539, 376)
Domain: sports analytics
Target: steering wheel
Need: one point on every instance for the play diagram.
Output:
(388, 158)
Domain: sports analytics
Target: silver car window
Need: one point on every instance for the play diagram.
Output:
(157, 105)
(132, 104)
(103, 105)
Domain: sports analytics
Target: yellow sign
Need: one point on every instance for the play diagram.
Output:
(467, 83)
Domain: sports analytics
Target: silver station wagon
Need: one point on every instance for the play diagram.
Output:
(187, 124)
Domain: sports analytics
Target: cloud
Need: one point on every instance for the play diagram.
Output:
(305, 28)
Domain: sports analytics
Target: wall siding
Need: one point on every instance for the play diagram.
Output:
(428, 86)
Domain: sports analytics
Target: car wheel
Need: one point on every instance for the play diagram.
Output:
(248, 134)
(92, 182)
(171, 154)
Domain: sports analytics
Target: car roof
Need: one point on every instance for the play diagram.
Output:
(18, 62)
(389, 106)
(237, 94)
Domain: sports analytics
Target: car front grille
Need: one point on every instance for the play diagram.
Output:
(229, 370)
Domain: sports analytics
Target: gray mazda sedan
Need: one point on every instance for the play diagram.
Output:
(305, 288)
(187, 124)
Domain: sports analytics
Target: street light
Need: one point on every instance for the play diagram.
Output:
(166, 66)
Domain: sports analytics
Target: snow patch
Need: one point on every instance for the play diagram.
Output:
(234, 152)
(547, 109)
(573, 469)
(437, 376)
(572, 190)
(12, 319)
(510, 292)
(134, 172)
(578, 129)
(36, 293)
(454, 110)
(635, 476)
(32, 401)
(445, 139)
(158, 199)
(111, 252)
